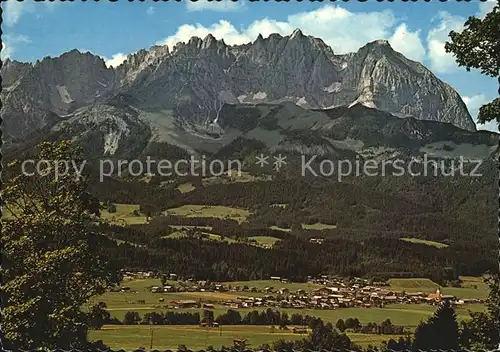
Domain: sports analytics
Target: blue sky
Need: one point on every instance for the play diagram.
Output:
(113, 30)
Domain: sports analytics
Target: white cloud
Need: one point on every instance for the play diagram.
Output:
(14, 10)
(217, 6)
(341, 28)
(10, 43)
(6, 51)
(473, 104)
(440, 60)
(337, 26)
(489, 126)
(408, 43)
(150, 11)
(486, 7)
(220, 30)
(115, 60)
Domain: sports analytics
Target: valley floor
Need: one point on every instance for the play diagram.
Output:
(171, 336)
(195, 337)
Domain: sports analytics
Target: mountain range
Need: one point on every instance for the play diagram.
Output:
(204, 94)
(278, 95)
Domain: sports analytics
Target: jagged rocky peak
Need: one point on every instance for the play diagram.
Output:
(156, 51)
(195, 41)
(377, 48)
(209, 41)
(52, 87)
(297, 68)
(195, 45)
(141, 61)
(380, 42)
(297, 34)
(73, 62)
(275, 37)
(304, 69)
(74, 57)
(12, 70)
(69, 80)
(259, 43)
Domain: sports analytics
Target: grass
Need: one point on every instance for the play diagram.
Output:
(429, 243)
(209, 236)
(472, 287)
(318, 226)
(235, 177)
(408, 315)
(210, 211)
(474, 282)
(265, 240)
(219, 238)
(186, 188)
(417, 284)
(189, 227)
(124, 214)
(425, 285)
(176, 234)
(195, 337)
(365, 340)
(280, 228)
(128, 300)
(7, 215)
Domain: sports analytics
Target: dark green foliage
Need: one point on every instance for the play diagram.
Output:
(483, 331)
(231, 317)
(53, 261)
(283, 345)
(439, 332)
(340, 325)
(131, 318)
(478, 46)
(208, 316)
(352, 323)
(403, 344)
(111, 208)
(325, 337)
(99, 316)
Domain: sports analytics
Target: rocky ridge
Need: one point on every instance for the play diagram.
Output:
(194, 80)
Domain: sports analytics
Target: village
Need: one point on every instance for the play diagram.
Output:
(334, 293)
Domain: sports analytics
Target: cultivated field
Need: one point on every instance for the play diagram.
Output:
(210, 211)
(195, 337)
(235, 177)
(429, 243)
(209, 236)
(407, 315)
(169, 337)
(189, 227)
(124, 215)
(471, 287)
(318, 226)
(265, 240)
(280, 228)
(186, 187)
